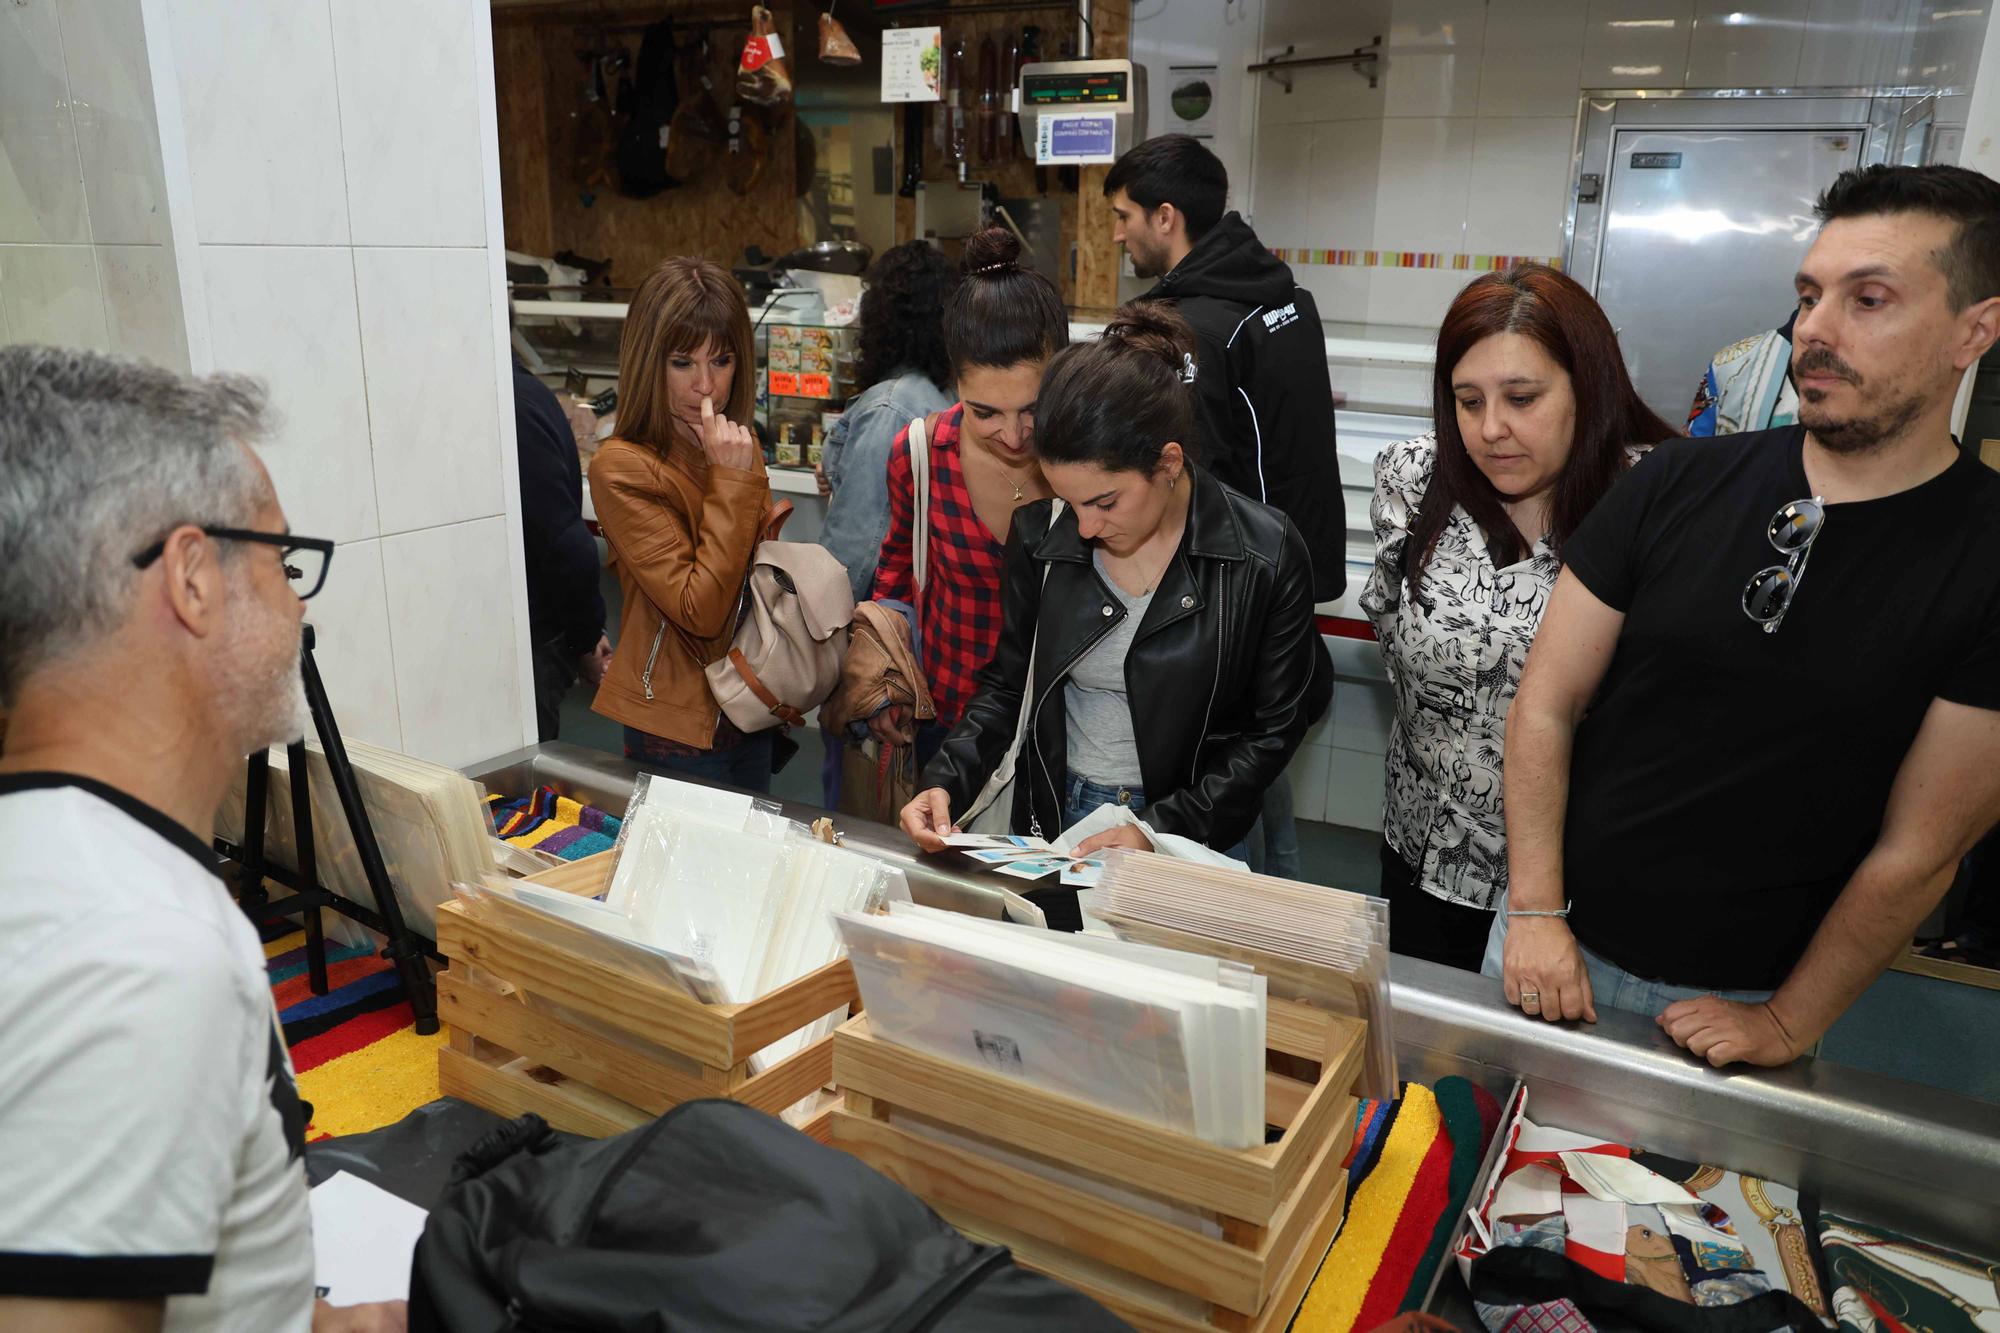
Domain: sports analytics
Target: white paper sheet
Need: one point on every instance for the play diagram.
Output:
(1108, 816)
(364, 1239)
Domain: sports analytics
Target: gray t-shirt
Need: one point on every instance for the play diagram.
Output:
(1101, 747)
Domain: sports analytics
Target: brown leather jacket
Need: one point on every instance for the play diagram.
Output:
(681, 535)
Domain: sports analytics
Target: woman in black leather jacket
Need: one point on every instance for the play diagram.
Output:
(1170, 618)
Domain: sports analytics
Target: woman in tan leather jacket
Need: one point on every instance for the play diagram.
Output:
(681, 494)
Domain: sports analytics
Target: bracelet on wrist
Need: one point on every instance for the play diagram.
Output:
(1562, 911)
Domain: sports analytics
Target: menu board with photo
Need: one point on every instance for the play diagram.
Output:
(912, 61)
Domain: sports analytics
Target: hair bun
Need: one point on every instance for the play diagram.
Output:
(1155, 329)
(992, 252)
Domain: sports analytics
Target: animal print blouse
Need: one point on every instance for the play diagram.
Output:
(1454, 647)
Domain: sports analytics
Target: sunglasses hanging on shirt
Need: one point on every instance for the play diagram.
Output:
(1793, 529)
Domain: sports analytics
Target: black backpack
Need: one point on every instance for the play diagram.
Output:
(715, 1217)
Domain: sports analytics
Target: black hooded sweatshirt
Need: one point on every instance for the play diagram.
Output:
(1264, 403)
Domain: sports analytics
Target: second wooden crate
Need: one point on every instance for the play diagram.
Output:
(1276, 1207)
(547, 1017)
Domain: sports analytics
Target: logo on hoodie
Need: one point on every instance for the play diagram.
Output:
(1277, 319)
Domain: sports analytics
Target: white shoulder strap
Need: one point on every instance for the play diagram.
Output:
(1000, 784)
(920, 473)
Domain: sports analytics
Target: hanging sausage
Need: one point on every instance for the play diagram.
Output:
(957, 144)
(988, 122)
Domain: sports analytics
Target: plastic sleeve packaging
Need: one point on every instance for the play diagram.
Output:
(1165, 1041)
(1322, 945)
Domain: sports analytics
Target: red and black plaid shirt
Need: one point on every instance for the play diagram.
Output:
(960, 610)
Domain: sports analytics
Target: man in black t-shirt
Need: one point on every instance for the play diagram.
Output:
(1761, 722)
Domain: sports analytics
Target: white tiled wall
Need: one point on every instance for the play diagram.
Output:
(1980, 148)
(1166, 33)
(342, 181)
(1464, 147)
(85, 257)
(433, 408)
(1636, 43)
(1337, 774)
(287, 315)
(262, 121)
(1731, 47)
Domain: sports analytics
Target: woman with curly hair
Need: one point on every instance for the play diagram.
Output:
(904, 374)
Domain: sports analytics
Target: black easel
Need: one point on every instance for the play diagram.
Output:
(406, 950)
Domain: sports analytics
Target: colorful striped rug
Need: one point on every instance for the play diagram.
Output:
(359, 1059)
(553, 824)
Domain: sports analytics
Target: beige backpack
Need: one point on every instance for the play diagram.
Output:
(785, 659)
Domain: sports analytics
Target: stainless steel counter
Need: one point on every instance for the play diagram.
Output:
(1909, 1157)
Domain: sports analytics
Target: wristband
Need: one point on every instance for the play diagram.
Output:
(1562, 911)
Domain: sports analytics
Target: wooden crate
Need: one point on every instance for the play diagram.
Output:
(1278, 1205)
(541, 1022)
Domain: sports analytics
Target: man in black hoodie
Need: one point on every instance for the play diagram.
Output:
(1264, 401)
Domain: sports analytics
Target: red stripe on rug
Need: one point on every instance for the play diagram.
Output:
(351, 1036)
(293, 989)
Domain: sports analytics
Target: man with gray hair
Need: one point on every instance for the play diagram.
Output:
(149, 641)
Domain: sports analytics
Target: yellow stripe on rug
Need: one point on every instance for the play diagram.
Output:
(1341, 1285)
(374, 1086)
(284, 944)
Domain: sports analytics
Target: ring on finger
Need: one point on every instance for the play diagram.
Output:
(1531, 1001)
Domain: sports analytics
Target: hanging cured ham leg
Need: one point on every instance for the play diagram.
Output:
(763, 76)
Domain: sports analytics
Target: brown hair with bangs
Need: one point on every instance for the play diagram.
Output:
(683, 305)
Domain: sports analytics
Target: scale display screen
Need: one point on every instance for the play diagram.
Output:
(1078, 89)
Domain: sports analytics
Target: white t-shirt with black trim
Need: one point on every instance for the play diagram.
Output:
(151, 1137)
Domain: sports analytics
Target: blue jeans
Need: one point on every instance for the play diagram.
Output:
(746, 764)
(1274, 839)
(1081, 796)
(1611, 985)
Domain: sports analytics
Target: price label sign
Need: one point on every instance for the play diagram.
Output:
(1076, 137)
(784, 383)
(815, 386)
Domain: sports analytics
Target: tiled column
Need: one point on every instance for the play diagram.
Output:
(343, 199)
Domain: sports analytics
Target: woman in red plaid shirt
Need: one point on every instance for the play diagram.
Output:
(1001, 326)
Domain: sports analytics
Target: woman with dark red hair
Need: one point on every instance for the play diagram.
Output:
(1535, 420)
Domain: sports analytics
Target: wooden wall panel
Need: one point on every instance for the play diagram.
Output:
(1014, 176)
(523, 107)
(1089, 264)
(553, 168)
(1098, 257)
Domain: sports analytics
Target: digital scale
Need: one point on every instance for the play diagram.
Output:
(1080, 112)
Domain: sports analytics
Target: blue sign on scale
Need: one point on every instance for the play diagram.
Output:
(1084, 136)
(1081, 136)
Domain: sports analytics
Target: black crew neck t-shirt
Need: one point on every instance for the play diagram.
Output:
(1726, 782)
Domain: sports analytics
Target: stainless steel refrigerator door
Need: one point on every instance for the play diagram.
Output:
(1702, 232)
